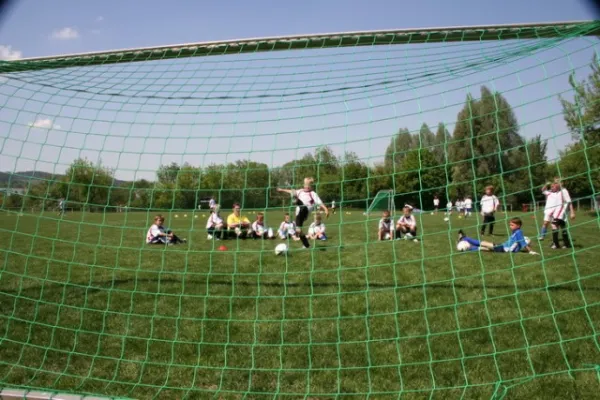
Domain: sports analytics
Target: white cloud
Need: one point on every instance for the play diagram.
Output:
(8, 54)
(66, 33)
(99, 18)
(45, 123)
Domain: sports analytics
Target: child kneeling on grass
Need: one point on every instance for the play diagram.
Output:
(157, 234)
(515, 243)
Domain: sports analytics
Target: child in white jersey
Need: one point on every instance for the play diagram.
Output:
(436, 203)
(489, 206)
(468, 204)
(260, 230)
(316, 231)
(215, 224)
(386, 227)
(449, 208)
(158, 234)
(558, 201)
(287, 228)
(306, 201)
(407, 225)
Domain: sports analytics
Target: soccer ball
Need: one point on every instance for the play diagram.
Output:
(463, 246)
(446, 219)
(281, 248)
(527, 240)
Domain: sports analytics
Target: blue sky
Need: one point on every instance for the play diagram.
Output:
(45, 129)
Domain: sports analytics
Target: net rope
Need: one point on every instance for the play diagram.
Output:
(87, 307)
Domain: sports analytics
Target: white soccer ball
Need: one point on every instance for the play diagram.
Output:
(281, 248)
(446, 219)
(463, 246)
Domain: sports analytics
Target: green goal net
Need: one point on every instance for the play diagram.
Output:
(94, 146)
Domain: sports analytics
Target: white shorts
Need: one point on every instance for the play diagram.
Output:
(548, 215)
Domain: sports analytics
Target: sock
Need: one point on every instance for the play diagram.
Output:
(471, 241)
(304, 240)
(491, 229)
(555, 237)
(565, 235)
(544, 231)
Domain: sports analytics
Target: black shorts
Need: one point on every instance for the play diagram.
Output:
(301, 216)
(559, 222)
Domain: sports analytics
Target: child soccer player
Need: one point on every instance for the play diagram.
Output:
(157, 234)
(214, 225)
(459, 206)
(515, 243)
(557, 202)
(468, 206)
(333, 206)
(61, 207)
(489, 206)
(237, 224)
(287, 228)
(316, 230)
(386, 226)
(306, 201)
(407, 225)
(436, 203)
(449, 208)
(260, 230)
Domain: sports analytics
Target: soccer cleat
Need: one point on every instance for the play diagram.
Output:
(416, 240)
(541, 237)
(184, 240)
(409, 236)
(553, 246)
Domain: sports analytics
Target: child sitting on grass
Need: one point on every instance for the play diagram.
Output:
(157, 234)
(260, 230)
(386, 227)
(515, 243)
(215, 224)
(407, 225)
(316, 230)
(287, 228)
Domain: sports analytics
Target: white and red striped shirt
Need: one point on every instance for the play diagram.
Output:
(213, 220)
(557, 203)
(408, 220)
(310, 199)
(287, 227)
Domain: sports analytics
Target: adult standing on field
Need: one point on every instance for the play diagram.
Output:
(489, 205)
(306, 201)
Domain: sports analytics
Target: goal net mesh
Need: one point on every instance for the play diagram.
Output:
(93, 147)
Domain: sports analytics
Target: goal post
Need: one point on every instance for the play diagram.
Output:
(383, 200)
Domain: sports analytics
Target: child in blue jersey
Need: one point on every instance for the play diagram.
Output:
(515, 243)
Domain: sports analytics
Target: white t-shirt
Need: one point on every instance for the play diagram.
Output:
(436, 202)
(287, 228)
(408, 220)
(468, 203)
(333, 204)
(259, 228)
(557, 203)
(212, 203)
(309, 199)
(449, 205)
(489, 203)
(459, 204)
(213, 220)
(316, 229)
(386, 225)
(153, 232)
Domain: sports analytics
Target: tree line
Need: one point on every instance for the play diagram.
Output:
(485, 148)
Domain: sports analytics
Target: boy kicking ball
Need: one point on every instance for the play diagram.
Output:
(386, 227)
(306, 201)
(515, 243)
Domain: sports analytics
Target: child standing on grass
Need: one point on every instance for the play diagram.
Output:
(306, 201)
(386, 226)
(157, 234)
(515, 243)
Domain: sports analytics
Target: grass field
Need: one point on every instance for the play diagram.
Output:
(86, 307)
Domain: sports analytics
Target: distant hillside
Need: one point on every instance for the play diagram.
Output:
(22, 178)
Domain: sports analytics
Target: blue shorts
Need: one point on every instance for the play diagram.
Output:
(499, 249)
(468, 209)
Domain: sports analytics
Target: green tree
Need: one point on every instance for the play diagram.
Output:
(86, 184)
(421, 178)
(167, 174)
